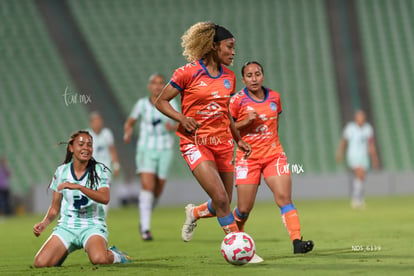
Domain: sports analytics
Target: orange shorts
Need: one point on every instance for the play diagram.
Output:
(221, 154)
(249, 171)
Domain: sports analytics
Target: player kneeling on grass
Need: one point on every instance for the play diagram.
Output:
(80, 189)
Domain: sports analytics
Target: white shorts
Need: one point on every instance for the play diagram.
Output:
(358, 161)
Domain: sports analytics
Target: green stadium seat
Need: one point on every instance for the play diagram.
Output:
(34, 115)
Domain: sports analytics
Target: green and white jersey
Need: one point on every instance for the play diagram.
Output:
(358, 138)
(153, 134)
(101, 144)
(77, 210)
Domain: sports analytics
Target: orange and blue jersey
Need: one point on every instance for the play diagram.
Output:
(205, 98)
(261, 134)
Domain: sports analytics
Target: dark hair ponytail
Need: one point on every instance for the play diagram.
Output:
(93, 177)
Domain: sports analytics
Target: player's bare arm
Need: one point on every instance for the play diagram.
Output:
(340, 151)
(373, 153)
(245, 147)
(51, 214)
(101, 195)
(251, 117)
(128, 128)
(163, 105)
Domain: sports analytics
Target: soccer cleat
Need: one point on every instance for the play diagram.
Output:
(300, 246)
(256, 259)
(358, 204)
(189, 224)
(146, 236)
(125, 258)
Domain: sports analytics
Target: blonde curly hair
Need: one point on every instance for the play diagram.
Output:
(198, 40)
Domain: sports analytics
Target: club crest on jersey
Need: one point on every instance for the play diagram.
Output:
(273, 106)
(227, 83)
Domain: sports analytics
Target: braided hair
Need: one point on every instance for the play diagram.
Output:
(93, 177)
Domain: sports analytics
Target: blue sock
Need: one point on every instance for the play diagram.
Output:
(227, 220)
(210, 207)
(240, 215)
(287, 208)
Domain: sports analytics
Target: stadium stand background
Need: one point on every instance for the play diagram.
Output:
(132, 39)
(34, 115)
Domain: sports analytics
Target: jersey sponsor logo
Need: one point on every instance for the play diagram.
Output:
(202, 83)
(262, 129)
(273, 106)
(231, 142)
(192, 154)
(261, 132)
(227, 83)
(202, 213)
(241, 172)
(155, 122)
(212, 110)
(249, 108)
(215, 94)
(213, 106)
(263, 117)
(79, 201)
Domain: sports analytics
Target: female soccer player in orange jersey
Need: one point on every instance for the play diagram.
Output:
(256, 110)
(206, 129)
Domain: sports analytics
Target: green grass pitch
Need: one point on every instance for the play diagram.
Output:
(374, 241)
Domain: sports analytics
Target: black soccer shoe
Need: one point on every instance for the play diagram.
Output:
(301, 247)
(146, 236)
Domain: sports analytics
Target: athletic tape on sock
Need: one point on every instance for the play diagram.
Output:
(210, 207)
(287, 208)
(236, 210)
(227, 220)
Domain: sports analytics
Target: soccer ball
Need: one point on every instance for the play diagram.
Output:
(238, 248)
